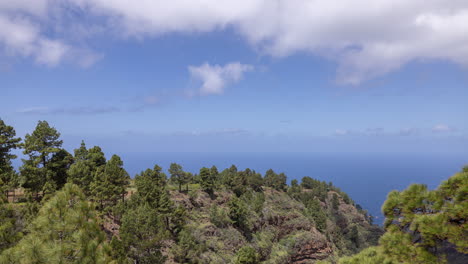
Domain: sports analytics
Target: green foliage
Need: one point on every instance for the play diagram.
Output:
(214, 173)
(264, 242)
(275, 181)
(316, 212)
(255, 200)
(255, 181)
(178, 175)
(43, 149)
(371, 255)
(238, 213)
(65, 231)
(417, 220)
(247, 255)
(208, 180)
(420, 224)
(150, 185)
(228, 175)
(96, 157)
(142, 232)
(10, 227)
(239, 183)
(219, 217)
(187, 249)
(317, 188)
(8, 142)
(335, 202)
(58, 167)
(110, 183)
(353, 236)
(150, 217)
(242, 181)
(87, 163)
(295, 190)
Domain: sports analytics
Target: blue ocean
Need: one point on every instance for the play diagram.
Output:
(367, 178)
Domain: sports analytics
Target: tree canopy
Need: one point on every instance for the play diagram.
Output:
(66, 230)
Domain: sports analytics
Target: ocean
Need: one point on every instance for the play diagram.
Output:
(367, 178)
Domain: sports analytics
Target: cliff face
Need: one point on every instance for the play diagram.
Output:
(280, 228)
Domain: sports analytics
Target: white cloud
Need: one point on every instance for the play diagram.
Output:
(440, 128)
(23, 24)
(366, 38)
(214, 78)
(21, 37)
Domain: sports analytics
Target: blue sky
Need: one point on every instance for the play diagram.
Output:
(234, 78)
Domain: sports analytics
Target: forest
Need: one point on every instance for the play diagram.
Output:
(80, 207)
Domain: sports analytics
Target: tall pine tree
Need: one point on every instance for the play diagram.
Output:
(8, 142)
(110, 183)
(87, 162)
(178, 175)
(41, 146)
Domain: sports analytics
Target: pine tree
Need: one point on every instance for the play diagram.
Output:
(66, 230)
(187, 250)
(178, 175)
(228, 175)
(239, 183)
(96, 157)
(146, 223)
(238, 213)
(110, 183)
(214, 174)
(419, 221)
(142, 232)
(58, 167)
(10, 227)
(81, 153)
(275, 181)
(207, 180)
(40, 147)
(150, 185)
(8, 142)
(152, 191)
(255, 181)
(87, 163)
(315, 210)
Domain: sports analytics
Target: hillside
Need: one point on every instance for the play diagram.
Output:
(279, 228)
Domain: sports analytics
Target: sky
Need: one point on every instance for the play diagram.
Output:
(141, 76)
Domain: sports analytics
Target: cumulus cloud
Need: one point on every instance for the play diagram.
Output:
(21, 37)
(214, 78)
(366, 38)
(23, 24)
(441, 128)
